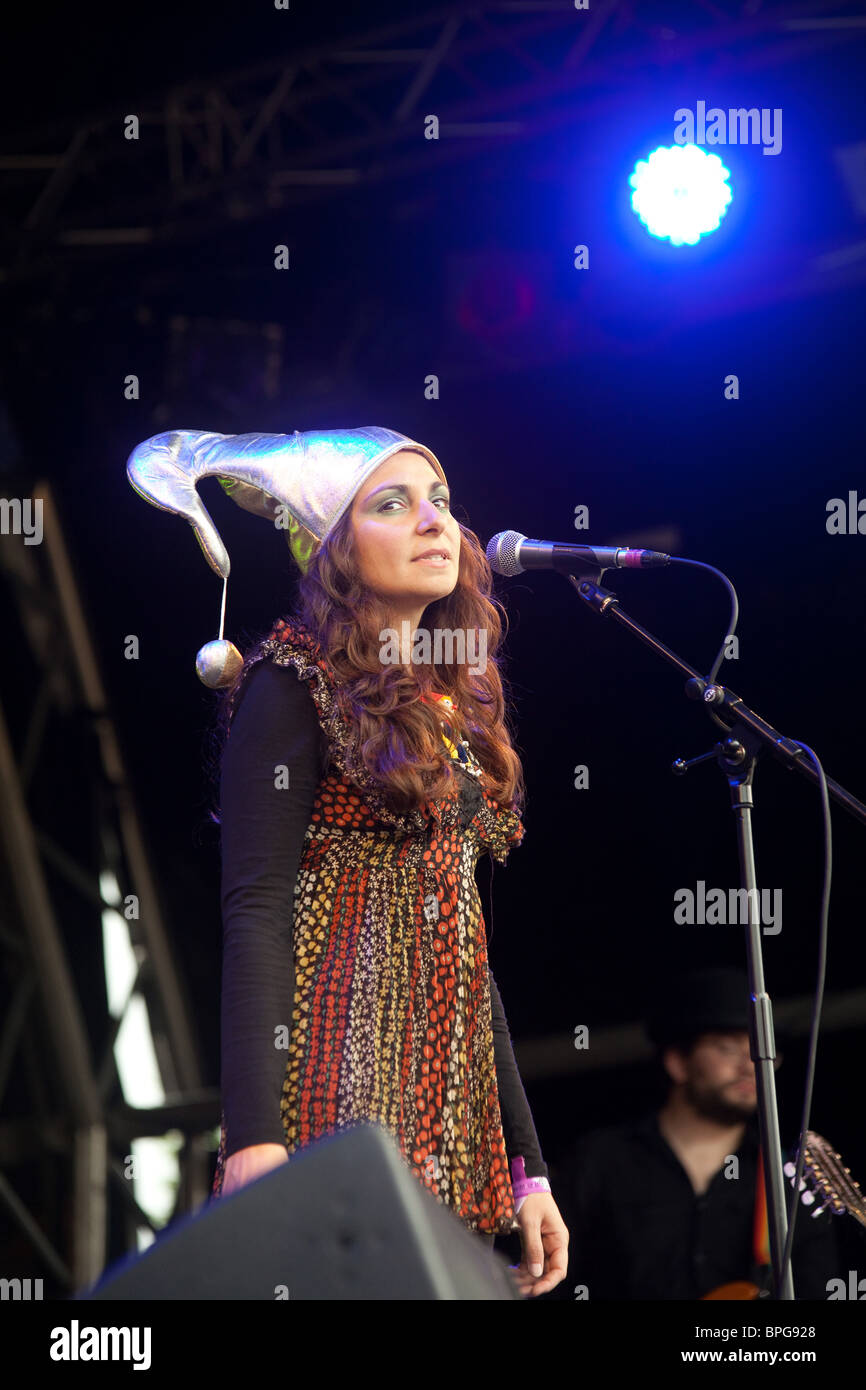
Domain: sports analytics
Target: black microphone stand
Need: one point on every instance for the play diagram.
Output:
(736, 755)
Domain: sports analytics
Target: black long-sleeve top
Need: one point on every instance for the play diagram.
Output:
(262, 837)
(639, 1231)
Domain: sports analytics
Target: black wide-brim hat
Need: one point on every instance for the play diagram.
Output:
(698, 1001)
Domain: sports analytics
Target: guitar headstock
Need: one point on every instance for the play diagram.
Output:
(826, 1174)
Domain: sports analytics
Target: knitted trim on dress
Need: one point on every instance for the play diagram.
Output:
(499, 829)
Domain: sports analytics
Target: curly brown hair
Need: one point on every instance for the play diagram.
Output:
(397, 734)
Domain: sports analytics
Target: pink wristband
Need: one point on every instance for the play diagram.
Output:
(521, 1185)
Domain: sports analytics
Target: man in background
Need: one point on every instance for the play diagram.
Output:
(667, 1206)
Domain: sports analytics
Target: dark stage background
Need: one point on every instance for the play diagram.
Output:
(557, 387)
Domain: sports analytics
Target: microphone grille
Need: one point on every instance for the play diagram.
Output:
(502, 553)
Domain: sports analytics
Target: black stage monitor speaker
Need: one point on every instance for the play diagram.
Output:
(343, 1219)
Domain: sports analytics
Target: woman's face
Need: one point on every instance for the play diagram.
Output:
(402, 511)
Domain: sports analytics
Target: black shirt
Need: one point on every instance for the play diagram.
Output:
(638, 1230)
(262, 839)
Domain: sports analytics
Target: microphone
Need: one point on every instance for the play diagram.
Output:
(510, 553)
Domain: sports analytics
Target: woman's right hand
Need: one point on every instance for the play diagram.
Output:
(251, 1163)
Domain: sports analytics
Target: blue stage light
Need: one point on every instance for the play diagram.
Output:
(680, 193)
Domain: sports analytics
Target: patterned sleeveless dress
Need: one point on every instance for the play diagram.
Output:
(392, 1018)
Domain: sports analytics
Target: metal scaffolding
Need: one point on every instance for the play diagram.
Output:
(76, 1112)
(351, 114)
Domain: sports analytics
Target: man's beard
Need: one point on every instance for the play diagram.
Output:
(713, 1106)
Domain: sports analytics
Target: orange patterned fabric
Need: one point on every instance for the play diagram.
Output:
(392, 1016)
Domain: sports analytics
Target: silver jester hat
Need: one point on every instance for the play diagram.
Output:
(301, 482)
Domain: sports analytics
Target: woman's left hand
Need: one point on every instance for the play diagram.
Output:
(544, 1242)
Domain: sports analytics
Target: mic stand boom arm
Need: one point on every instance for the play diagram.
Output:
(719, 697)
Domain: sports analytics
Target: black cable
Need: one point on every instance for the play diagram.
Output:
(818, 1004)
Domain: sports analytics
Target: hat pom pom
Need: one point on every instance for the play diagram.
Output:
(218, 664)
